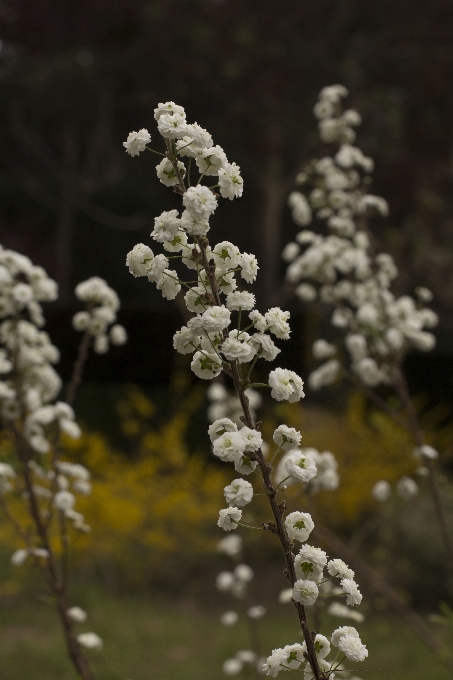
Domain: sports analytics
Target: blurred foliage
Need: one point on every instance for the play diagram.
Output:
(153, 511)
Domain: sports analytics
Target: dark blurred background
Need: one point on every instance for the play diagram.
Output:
(76, 76)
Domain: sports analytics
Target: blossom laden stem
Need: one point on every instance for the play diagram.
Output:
(277, 509)
(56, 582)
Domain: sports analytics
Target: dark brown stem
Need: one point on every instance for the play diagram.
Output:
(56, 583)
(377, 584)
(79, 364)
(402, 389)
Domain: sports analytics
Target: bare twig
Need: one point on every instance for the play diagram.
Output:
(402, 389)
(79, 364)
(56, 582)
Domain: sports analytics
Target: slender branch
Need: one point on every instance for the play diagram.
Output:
(56, 583)
(402, 389)
(278, 509)
(79, 365)
(14, 521)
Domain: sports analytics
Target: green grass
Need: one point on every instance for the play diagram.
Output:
(151, 638)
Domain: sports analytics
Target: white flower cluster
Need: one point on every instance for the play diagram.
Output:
(308, 465)
(23, 286)
(29, 382)
(219, 346)
(378, 326)
(292, 657)
(102, 304)
(209, 335)
(406, 487)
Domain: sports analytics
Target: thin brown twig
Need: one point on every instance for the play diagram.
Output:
(79, 365)
(402, 389)
(56, 583)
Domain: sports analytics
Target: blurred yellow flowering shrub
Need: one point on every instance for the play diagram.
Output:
(368, 446)
(155, 511)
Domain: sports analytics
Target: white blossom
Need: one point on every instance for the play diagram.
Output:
(194, 224)
(300, 208)
(77, 614)
(220, 427)
(310, 562)
(229, 618)
(341, 632)
(64, 500)
(206, 365)
(337, 567)
(229, 447)
(90, 640)
(253, 439)
(291, 656)
(225, 579)
(136, 142)
(216, 319)
(200, 201)
(230, 181)
(407, 488)
(306, 292)
(169, 284)
(168, 108)
(238, 493)
(249, 267)
(286, 437)
(285, 384)
(226, 256)
(323, 350)
(244, 465)
(19, 557)
(232, 666)
(167, 173)
(342, 610)
(299, 526)
(137, 260)
(230, 545)
(381, 491)
(353, 648)
(256, 612)
(300, 466)
(228, 518)
(240, 300)
(277, 322)
(172, 126)
(305, 592)
(118, 335)
(354, 596)
(244, 573)
(212, 160)
(426, 451)
(166, 226)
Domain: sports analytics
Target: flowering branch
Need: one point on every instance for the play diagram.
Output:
(346, 272)
(221, 346)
